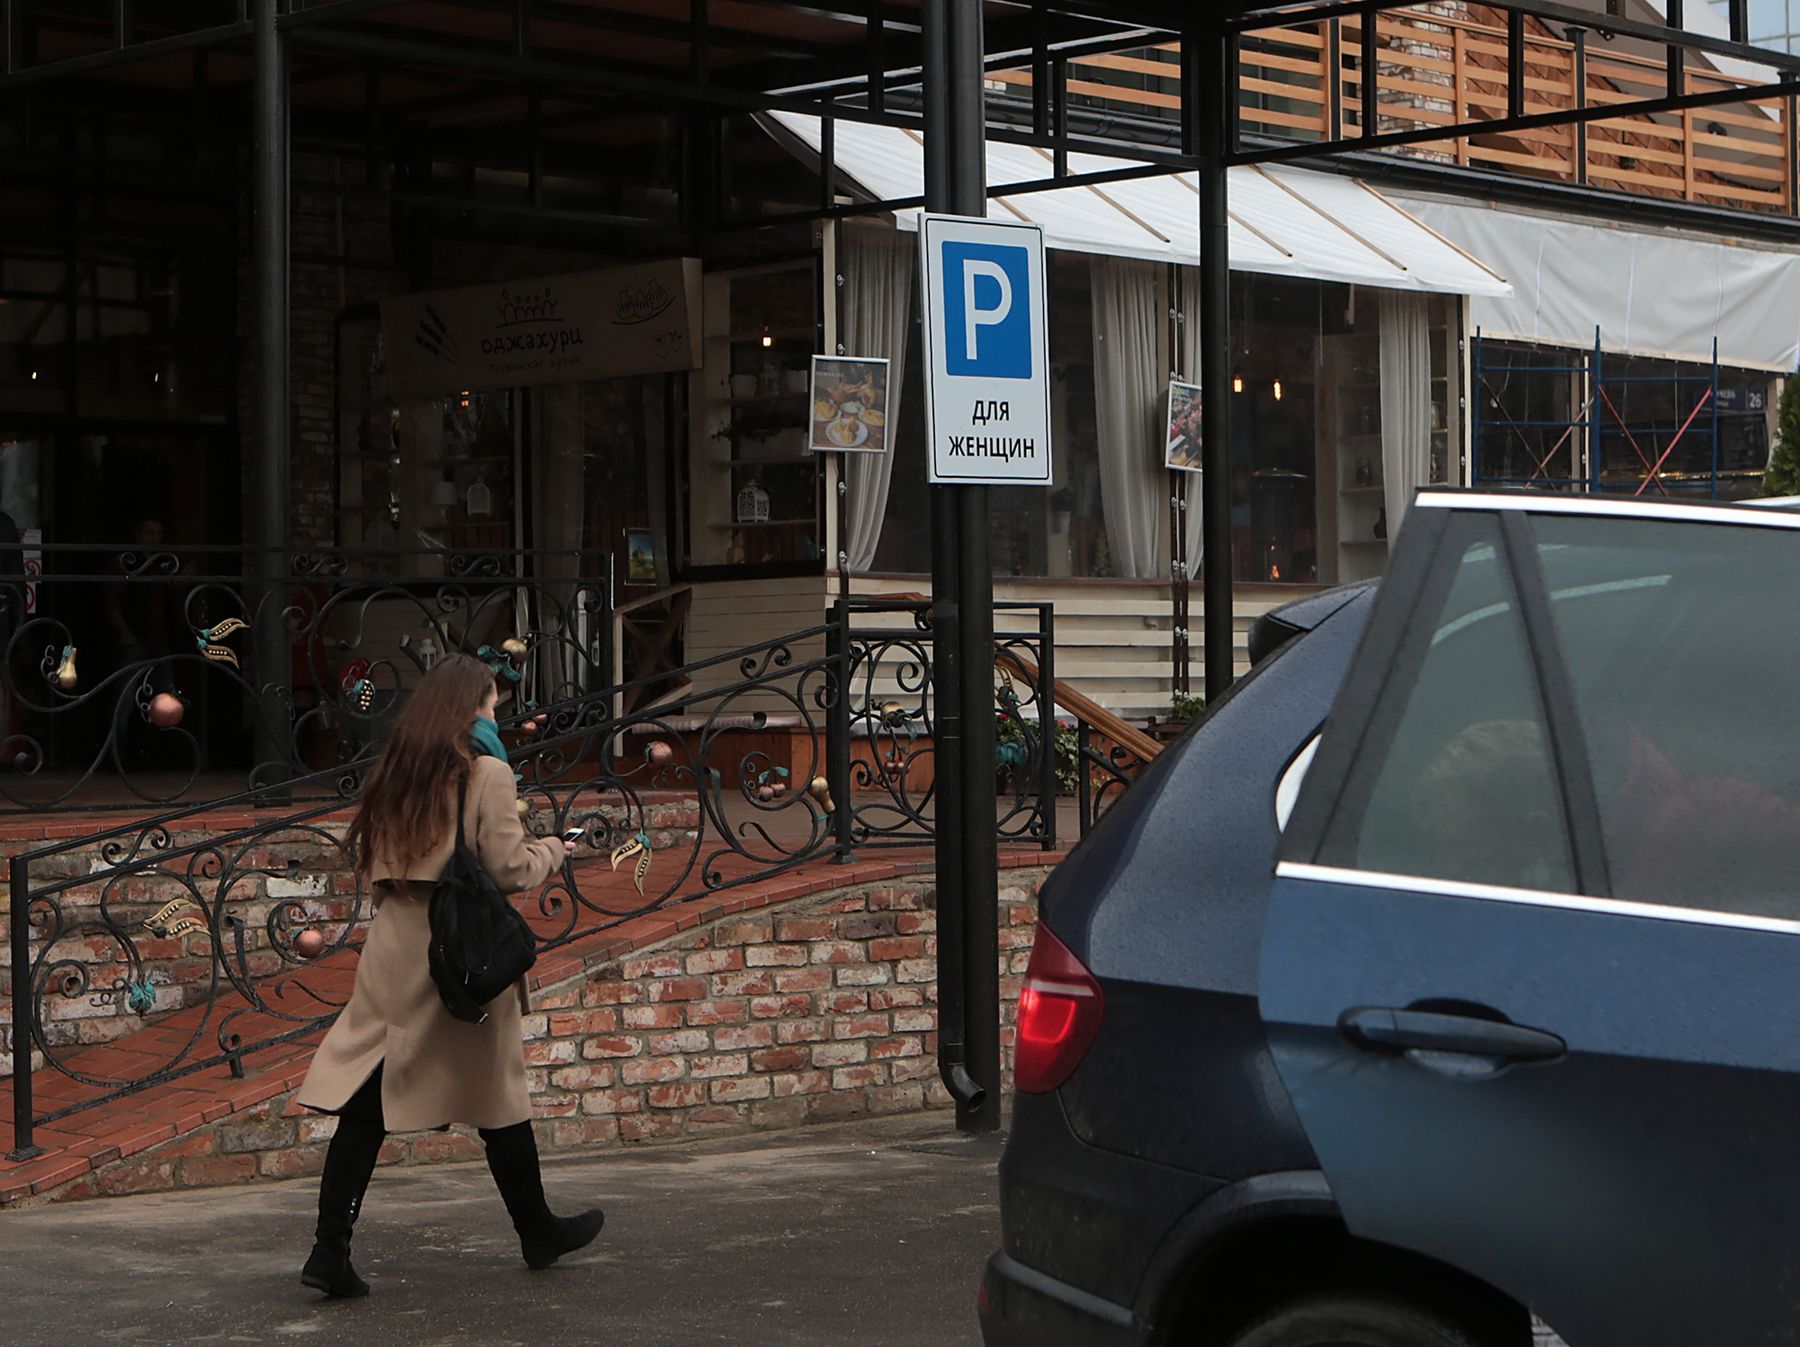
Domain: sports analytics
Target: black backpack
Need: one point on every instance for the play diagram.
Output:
(480, 943)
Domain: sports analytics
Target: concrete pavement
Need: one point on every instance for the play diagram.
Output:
(868, 1232)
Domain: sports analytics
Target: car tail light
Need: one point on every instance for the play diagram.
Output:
(1060, 1008)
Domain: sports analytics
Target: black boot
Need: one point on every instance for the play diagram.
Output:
(512, 1158)
(348, 1164)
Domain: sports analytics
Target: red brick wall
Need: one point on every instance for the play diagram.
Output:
(89, 1008)
(317, 890)
(819, 1010)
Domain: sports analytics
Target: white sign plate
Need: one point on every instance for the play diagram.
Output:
(987, 351)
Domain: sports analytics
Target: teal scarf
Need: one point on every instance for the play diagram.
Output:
(486, 739)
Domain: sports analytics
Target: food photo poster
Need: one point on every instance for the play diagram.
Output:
(849, 404)
(1184, 427)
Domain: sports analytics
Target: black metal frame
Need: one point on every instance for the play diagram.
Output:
(946, 52)
(239, 622)
(665, 788)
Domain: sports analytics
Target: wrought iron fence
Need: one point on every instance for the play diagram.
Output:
(137, 676)
(192, 941)
(890, 721)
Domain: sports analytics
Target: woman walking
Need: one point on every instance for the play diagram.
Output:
(396, 1060)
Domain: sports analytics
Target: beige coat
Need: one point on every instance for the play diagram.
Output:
(436, 1070)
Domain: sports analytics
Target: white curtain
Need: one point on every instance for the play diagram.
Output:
(1130, 318)
(1405, 400)
(878, 268)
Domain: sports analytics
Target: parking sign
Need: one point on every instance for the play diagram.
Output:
(987, 351)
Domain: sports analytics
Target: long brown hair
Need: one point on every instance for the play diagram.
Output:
(407, 802)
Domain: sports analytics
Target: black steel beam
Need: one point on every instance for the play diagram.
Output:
(1677, 56)
(1553, 10)
(1210, 87)
(1059, 115)
(335, 11)
(1515, 64)
(1370, 59)
(876, 48)
(874, 206)
(25, 76)
(543, 72)
(1578, 39)
(906, 61)
(486, 62)
(12, 32)
(270, 462)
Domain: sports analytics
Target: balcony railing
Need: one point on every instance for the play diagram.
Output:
(1446, 65)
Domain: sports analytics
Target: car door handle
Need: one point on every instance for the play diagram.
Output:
(1388, 1030)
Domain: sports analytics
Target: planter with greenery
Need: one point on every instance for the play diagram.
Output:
(1783, 476)
(1016, 763)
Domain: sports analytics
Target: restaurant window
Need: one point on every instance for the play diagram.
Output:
(1282, 371)
(753, 485)
(1035, 532)
(599, 471)
(145, 333)
(1307, 469)
(422, 476)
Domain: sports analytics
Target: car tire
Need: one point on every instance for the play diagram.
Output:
(1354, 1321)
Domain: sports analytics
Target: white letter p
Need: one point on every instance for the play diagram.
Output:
(975, 317)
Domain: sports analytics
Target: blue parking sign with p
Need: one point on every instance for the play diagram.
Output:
(986, 343)
(987, 310)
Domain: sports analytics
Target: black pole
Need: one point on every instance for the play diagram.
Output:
(269, 460)
(1212, 89)
(967, 148)
(962, 590)
(946, 725)
(23, 1022)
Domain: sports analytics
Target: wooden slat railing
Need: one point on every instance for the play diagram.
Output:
(1441, 69)
(1104, 723)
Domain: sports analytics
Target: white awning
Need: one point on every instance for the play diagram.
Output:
(1284, 221)
(1645, 291)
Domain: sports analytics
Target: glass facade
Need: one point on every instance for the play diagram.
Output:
(1307, 471)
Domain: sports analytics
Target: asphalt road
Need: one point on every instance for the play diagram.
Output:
(870, 1232)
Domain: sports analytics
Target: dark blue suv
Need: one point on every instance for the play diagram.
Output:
(1447, 975)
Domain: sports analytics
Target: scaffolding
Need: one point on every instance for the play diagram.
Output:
(1619, 432)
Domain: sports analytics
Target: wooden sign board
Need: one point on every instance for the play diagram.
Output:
(557, 329)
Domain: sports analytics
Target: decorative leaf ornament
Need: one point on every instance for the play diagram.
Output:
(209, 638)
(640, 847)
